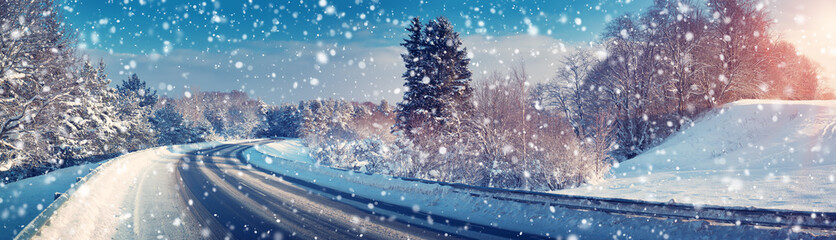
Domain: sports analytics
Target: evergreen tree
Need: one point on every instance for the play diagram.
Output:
(413, 109)
(91, 125)
(172, 129)
(448, 73)
(307, 118)
(135, 86)
(281, 121)
(134, 104)
(216, 119)
(437, 77)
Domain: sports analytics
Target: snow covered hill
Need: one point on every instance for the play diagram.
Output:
(761, 153)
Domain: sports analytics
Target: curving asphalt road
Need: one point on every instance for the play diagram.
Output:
(230, 198)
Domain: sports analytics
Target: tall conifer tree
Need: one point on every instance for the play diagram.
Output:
(449, 73)
(413, 109)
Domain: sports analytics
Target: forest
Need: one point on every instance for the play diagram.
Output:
(650, 75)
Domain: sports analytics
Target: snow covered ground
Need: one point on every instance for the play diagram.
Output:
(290, 149)
(760, 153)
(22, 201)
(456, 204)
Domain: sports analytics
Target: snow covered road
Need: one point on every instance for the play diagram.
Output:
(212, 193)
(241, 191)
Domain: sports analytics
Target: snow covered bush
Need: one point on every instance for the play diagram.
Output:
(525, 146)
(371, 154)
(171, 129)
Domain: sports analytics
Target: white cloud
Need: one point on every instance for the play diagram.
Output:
(359, 72)
(541, 55)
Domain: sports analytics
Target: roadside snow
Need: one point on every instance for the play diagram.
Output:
(453, 203)
(290, 149)
(107, 204)
(184, 148)
(22, 201)
(760, 153)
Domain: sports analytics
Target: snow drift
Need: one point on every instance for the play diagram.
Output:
(761, 153)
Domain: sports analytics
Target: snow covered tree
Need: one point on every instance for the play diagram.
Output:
(216, 119)
(437, 78)
(94, 125)
(283, 121)
(135, 86)
(56, 107)
(629, 82)
(343, 115)
(685, 48)
(522, 145)
(36, 80)
(230, 115)
(242, 121)
(172, 129)
(449, 75)
(134, 108)
(791, 75)
(384, 108)
(571, 94)
(414, 110)
(740, 30)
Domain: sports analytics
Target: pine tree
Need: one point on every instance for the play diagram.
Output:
(133, 105)
(172, 129)
(135, 86)
(413, 109)
(448, 73)
(90, 125)
(437, 77)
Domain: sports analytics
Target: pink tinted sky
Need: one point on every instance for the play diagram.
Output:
(811, 26)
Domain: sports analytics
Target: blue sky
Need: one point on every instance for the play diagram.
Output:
(293, 50)
(145, 25)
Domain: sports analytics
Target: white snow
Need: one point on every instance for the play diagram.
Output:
(22, 201)
(290, 149)
(760, 153)
(111, 199)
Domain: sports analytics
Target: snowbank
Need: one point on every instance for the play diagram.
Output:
(457, 204)
(761, 153)
(184, 148)
(22, 201)
(291, 149)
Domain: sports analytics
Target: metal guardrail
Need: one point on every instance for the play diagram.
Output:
(734, 215)
(33, 228)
